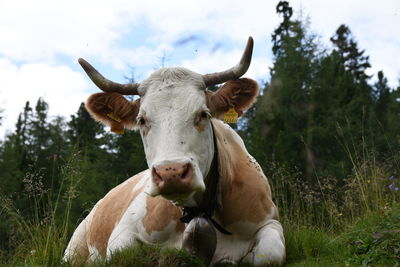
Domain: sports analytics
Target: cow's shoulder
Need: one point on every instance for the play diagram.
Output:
(110, 209)
(246, 194)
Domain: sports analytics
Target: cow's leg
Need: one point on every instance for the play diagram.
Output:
(77, 248)
(120, 240)
(269, 248)
(126, 232)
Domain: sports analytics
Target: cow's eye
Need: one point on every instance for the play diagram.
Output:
(141, 121)
(205, 115)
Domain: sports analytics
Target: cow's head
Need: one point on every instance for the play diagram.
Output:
(173, 115)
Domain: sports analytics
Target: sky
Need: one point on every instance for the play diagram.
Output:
(41, 40)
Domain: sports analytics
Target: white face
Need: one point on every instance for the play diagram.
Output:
(175, 125)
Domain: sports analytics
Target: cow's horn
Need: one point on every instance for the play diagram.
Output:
(234, 72)
(105, 84)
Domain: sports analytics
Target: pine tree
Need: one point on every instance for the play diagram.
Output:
(283, 115)
(282, 31)
(392, 131)
(382, 103)
(332, 89)
(39, 141)
(21, 138)
(342, 104)
(351, 56)
(382, 98)
(83, 129)
(14, 158)
(38, 131)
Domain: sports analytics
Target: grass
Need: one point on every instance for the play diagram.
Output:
(372, 240)
(375, 239)
(303, 244)
(353, 224)
(146, 255)
(42, 235)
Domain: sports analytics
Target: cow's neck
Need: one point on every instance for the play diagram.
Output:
(210, 200)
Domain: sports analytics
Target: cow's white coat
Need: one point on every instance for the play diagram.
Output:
(172, 102)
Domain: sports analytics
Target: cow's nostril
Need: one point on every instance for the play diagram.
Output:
(157, 178)
(186, 169)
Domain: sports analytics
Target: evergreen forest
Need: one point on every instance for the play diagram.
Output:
(326, 134)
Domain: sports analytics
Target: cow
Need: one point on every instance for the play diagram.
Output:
(200, 179)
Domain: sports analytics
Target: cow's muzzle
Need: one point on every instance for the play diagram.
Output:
(173, 179)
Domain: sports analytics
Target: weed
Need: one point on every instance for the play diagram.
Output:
(353, 220)
(150, 255)
(42, 234)
(375, 239)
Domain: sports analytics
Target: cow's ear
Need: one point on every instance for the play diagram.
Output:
(240, 94)
(114, 110)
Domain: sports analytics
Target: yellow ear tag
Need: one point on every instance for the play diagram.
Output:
(231, 116)
(116, 127)
(114, 117)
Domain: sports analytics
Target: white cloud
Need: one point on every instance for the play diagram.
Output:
(45, 28)
(94, 29)
(58, 85)
(213, 62)
(41, 38)
(219, 19)
(40, 30)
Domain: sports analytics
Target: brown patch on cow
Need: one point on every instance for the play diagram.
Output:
(160, 212)
(200, 127)
(82, 255)
(199, 121)
(113, 109)
(109, 212)
(180, 227)
(246, 195)
(240, 94)
(248, 198)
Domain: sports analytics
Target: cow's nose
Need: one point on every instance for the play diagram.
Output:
(173, 178)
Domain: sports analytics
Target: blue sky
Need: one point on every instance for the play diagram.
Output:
(42, 39)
